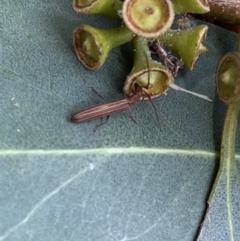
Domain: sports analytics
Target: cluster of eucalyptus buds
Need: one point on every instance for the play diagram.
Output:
(144, 23)
(148, 25)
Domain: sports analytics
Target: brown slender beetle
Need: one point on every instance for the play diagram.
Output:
(109, 108)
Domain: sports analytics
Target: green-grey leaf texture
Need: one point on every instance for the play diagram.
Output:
(61, 181)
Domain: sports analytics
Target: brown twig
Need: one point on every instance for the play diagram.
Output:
(223, 13)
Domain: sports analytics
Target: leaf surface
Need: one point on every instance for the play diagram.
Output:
(61, 181)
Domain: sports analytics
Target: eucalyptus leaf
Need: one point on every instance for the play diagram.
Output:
(145, 181)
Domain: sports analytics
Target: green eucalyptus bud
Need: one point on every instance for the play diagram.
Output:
(151, 75)
(92, 45)
(148, 18)
(188, 43)
(109, 8)
(191, 6)
(228, 78)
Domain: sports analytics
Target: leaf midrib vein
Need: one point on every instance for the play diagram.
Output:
(109, 151)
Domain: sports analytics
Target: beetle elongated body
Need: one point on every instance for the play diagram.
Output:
(109, 108)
